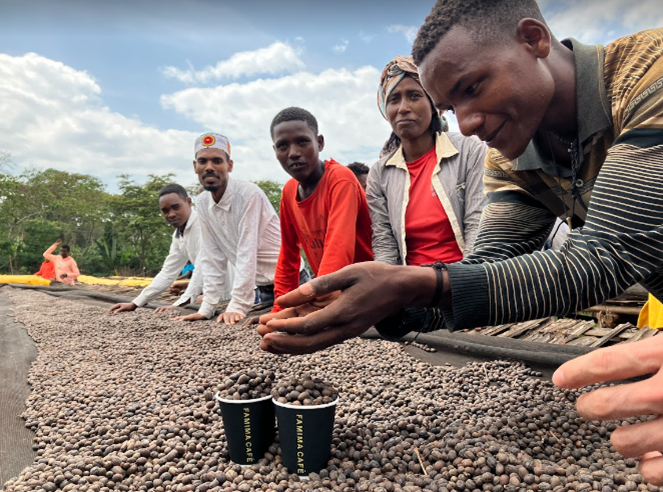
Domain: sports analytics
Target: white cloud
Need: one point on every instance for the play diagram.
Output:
(343, 101)
(53, 116)
(366, 38)
(341, 47)
(410, 32)
(278, 58)
(601, 21)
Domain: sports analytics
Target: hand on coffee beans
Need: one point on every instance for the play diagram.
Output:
(253, 320)
(123, 306)
(625, 400)
(163, 309)
(190, 317)
(369, 292)
(229, 318)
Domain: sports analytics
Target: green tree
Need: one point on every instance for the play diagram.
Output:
(273, 191)
(5, 161)
(138, 222)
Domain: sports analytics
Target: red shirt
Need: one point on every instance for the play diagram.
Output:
(332, 225)
(47, 270)
(428, 233)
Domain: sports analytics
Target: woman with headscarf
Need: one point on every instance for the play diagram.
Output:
(425, 194)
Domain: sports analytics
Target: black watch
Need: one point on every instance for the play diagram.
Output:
(438, 266)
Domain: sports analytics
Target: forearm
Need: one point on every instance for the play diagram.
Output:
(509, 229)
(586, 272)
(164, 279)
(385, 247)
(48, 254)
(193, 290)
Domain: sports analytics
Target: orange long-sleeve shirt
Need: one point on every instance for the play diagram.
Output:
(47, 270)
(332, 225)
(63, 265)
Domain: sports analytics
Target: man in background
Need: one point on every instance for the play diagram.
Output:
(66, 269)
(360, 170)
(176, 208)
(47, 270)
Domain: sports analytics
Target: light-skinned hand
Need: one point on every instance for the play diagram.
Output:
(253, 320)
(229, 318)
(190, 317)
(122, 306)
(624, 361)
(163, 309)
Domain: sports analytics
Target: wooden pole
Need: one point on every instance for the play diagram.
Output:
(627, 310)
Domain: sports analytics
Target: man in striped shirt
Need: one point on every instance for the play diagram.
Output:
(576, 132)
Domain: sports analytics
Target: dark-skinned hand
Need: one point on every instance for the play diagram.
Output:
(644, 440)
(368, 292)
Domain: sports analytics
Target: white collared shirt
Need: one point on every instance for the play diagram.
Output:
(243, 230)
(183, 248)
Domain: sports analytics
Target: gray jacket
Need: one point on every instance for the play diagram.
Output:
(457, 180)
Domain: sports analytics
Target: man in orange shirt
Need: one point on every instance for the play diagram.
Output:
(323, 208)
(66, 270)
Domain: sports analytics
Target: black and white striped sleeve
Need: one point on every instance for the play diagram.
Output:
(621, 244)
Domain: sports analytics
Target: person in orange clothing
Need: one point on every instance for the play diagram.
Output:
(47, 270)
(66, 269)
(323, 207)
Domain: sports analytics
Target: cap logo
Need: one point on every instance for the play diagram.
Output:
(208, 140)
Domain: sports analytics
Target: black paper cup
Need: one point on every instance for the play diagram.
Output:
(249, 426)
(305, 433)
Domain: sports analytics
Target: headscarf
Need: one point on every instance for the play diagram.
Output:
(393, 73)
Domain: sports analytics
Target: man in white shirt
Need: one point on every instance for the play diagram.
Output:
(185, 247)
(239, 227)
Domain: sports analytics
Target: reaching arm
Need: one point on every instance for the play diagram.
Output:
(172, 266)
(621, 244)
(48, 254)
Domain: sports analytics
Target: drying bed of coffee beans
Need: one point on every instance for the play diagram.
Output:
(126, 402)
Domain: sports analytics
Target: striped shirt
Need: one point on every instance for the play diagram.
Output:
(617, 239)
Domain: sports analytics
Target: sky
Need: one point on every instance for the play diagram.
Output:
(107, 88)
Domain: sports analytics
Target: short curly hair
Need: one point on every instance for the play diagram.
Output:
(174, 188)
(294, 114)
(358, 168)
(488, 20)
